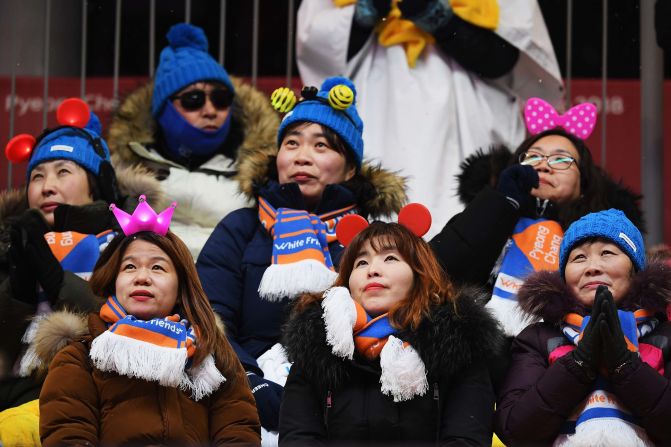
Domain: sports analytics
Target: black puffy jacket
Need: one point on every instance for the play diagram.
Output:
(328, 399)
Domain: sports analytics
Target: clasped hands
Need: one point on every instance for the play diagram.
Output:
(603, 342)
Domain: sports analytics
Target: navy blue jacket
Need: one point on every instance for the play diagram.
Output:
(232, 264)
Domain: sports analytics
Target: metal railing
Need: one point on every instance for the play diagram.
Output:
(651, 75)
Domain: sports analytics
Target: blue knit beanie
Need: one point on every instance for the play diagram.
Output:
(612, 225)
(73, 143)
(346, 123)
(184, 61)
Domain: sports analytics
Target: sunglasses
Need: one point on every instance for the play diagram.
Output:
(195, 99)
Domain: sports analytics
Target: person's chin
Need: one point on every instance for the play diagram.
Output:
(542, 192)
(373, 308)
(49, 218)
(586, 299)
(139, 312)
(310, 197)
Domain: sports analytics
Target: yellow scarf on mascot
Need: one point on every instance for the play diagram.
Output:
(395, 30)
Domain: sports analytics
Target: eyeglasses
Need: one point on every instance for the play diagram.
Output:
(195, 99)
(556, 161)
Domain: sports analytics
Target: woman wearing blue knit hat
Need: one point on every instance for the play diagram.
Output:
(258, 259)
(192, 129)
(596, 370)
(52, 233)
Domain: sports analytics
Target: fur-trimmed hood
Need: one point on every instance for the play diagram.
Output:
(545, 294)
(53, 333)
(447, 343)
(251, 112)
(483, 168)
(379, 192)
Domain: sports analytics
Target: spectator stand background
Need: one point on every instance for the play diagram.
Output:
(112, 56)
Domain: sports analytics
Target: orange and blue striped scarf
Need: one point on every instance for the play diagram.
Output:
(168, 332)
(78, 252)
(156, 350)
(601, 412)
(371, 334)
(349, 328)
(301, 262)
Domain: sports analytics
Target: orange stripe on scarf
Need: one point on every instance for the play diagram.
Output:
(369, 347)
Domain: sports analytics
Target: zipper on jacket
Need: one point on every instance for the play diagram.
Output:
(436, 400)
(541, 206)
(329, 404)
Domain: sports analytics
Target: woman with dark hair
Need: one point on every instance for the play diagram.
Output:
(153, 365)
(596, 370)
(391, 353)
(51, 234)
(259, 259)
(518, 206)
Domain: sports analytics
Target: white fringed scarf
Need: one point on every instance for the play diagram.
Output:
(157, 350)
(403, 371)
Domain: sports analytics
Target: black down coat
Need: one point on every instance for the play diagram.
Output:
(471, 242)
(328, 399)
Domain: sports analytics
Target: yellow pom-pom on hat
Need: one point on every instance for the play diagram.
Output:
(333, 105)
(283, 99)
(341, 97)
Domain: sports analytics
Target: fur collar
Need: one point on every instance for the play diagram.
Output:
(133, 181)
(378, 192)
(482, 170)
(52, 333)
(546, 295)
(133, 122)
(447, 342)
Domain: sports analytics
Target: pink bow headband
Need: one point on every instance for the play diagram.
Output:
(579, 120)
(144, 218)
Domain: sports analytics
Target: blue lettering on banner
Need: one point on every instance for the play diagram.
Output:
(167, 325)
(309, 240)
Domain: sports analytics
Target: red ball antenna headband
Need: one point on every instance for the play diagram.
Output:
(414, 216)
(71, 112)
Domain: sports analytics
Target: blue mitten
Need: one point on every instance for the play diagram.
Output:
(268, 396)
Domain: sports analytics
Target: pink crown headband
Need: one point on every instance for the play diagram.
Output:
(144, 218)
(579, 120)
